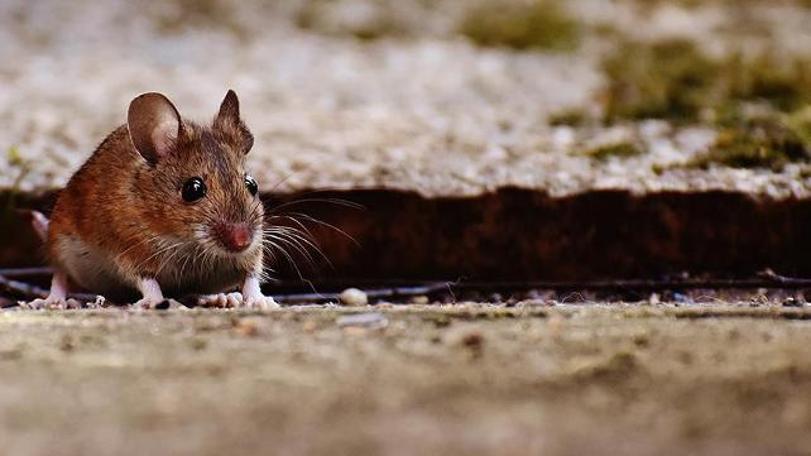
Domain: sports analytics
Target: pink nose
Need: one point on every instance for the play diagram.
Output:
(236, 237)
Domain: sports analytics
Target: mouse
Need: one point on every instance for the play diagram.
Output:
(163, 207)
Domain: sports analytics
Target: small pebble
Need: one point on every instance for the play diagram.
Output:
(353, 297)
(371, 320)
(98, 303)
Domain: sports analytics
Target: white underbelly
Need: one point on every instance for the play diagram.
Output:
(90, 267)
(179, 274)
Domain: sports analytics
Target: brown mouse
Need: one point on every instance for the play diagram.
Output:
(163, 206)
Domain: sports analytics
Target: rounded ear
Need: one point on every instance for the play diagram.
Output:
(154, 125)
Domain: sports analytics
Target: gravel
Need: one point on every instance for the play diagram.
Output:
(430, 113)
(353, 297)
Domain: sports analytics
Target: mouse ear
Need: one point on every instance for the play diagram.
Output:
(229, 110)
(228, 122)
(154, 125)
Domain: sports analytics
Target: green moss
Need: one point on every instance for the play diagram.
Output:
(785, 86)
(22, 168)
(206, 14)
(673, 80)
(380, 21)
(799, 123)
(658, 169)
(621, 149)
(700, 3)
(571, 117)
(669, 79)
(538, 24)
(13, 157)
(760, 143)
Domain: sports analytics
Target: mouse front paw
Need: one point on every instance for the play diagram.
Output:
(220, 300)
(50, 303)
(259, 302)
(252, 296)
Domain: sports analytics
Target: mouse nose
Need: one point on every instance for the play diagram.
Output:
(236, 237)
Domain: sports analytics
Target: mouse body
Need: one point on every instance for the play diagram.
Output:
(163, 206)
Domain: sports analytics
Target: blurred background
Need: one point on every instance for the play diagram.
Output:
(594, 104)
(442, 97)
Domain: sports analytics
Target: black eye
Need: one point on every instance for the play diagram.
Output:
(194, 189)
(251, 184)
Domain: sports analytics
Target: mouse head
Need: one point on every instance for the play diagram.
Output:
(192, 183)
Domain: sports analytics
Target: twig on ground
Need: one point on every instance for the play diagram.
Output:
(22, 288)
(398, 289)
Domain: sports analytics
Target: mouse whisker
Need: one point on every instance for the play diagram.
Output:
(295, 246)
(264, 275)
(282, 181)
(204, 257)
(300, 238)
(335, 201)
(268, 251)
(309, 218)
(257, 210)
(146, 240)
(293, 220)
(169, 256)
(157, 253)
(191, 252)
(288, 234)
(289, 258)
(272, 246)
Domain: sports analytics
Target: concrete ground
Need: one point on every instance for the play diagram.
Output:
(461, 379)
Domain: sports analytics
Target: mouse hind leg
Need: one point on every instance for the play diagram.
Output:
(57, 297)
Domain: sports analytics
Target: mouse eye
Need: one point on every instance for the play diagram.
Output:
(251, 185)
(194, 189)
